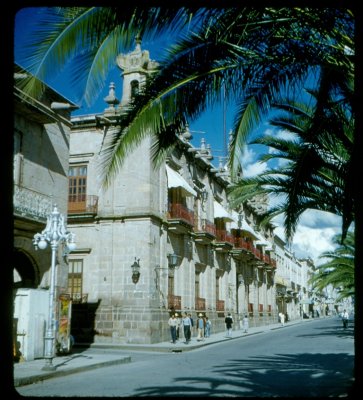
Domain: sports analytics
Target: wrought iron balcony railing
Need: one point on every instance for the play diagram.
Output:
(224, 236)
(174, 302)
(199, 304)
(82, 204)
(180, 211)
(241, 243)
(205, 226)
(31, 204)
(220, 305)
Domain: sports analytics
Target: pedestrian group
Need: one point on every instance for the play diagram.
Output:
(184, 323)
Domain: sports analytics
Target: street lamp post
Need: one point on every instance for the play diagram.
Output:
(55, 233)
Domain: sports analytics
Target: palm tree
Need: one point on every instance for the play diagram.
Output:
(251, 54)
(317, 169)
(254, 55)
(338, 272)
(91, 37)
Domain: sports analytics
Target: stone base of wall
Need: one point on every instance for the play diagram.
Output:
(136, 325)
(142, 325)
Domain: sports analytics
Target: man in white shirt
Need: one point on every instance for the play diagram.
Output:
(173, 323)
(345, 318)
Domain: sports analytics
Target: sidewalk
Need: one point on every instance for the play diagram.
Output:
(28, 372)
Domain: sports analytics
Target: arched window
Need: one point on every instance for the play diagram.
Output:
(134, 88)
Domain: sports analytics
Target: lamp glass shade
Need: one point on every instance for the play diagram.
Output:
(42, 244)
(71, 246)
(173, 259)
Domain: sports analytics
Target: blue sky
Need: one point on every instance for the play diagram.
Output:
(210, 125)
(315, 229)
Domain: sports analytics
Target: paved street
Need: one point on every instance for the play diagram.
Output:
(309, 359)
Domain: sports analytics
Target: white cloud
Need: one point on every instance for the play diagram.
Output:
(312, 242)
(315, 229)
(314, 234)
(249, 156)
(250, 166)
(254, 169)
(284, 134)
(315, 218)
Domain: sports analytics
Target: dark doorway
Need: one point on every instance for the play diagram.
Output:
(25, 268)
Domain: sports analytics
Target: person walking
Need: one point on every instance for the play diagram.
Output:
(208, 325)
(345, 319)
(173, 324)
(245, 324)
(282, 318)
(186, 322)
(229, 322)
(191, 324)
(178, 324)
(200, 327)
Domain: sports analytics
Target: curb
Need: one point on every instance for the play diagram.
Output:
(167, 349)
(38, 377)
(46, 375)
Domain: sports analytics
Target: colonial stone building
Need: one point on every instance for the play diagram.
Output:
(158, 240)
(40, 169)
(172, 225)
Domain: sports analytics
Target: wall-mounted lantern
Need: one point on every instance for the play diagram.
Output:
(173, 260)
(135, 271)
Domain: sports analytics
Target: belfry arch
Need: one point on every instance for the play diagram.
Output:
(134, 88)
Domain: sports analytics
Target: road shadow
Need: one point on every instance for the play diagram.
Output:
(297, 375)
(334, 329)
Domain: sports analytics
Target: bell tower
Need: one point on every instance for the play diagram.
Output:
(137, 67)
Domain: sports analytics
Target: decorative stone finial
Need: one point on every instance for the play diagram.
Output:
(111, 99)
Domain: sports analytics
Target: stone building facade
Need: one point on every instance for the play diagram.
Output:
(40, 169)
(173, 223)
(156, 241)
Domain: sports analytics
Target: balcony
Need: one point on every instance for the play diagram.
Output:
(258, 257)
(30, 204)
(206, 233)
(224, 240)
(180, 218)
(269, 262)
(250, 310)
(243, 249)
(199, 304)
(220, 305)
(82, 205)
(79, 298)
(174, 302)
